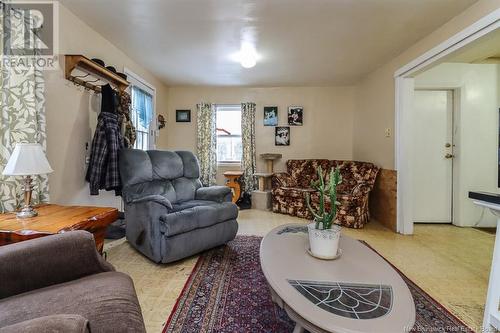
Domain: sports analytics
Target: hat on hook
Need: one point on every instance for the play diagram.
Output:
(98, 61)
(111, 68)
(122, 75)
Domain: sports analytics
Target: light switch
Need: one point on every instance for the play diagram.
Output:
(388, 133)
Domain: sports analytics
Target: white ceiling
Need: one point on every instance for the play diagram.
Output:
(302, 42)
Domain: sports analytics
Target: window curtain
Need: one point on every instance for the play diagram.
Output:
(248, 161)
(207, 143)
(22, 116)
(143, 105)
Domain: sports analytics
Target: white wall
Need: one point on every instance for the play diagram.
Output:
(70, 110)
(476, 138)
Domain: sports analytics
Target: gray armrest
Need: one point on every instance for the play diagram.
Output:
(153, 198)
(56, 323)
(214, 193)
(49, 260)
(143, 224)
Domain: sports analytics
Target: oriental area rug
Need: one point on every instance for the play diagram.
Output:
(227, 293)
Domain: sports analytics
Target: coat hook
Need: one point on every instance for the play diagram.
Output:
(92, 81)
(81, 76)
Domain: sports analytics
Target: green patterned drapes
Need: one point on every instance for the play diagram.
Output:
(22, 119)
(248, 162)
(207, 143)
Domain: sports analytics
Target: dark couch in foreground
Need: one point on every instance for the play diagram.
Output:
(169, 214)
(358, 178)
(60, 283)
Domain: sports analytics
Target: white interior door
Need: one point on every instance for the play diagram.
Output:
(433, 156)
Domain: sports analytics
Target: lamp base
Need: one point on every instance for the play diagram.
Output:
(27, 212)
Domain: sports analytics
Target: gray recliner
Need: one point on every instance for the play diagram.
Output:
(169, 214)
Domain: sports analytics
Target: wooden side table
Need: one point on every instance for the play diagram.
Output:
(233, 182)
(54, 219)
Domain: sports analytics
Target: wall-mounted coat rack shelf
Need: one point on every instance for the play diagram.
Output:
(94, 70)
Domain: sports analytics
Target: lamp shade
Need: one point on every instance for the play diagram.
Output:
(27, 159)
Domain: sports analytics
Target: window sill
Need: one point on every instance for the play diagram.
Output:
(229, 164)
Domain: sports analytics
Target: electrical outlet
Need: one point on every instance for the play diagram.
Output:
(388, 133)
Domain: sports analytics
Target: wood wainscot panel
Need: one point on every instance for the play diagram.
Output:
(383, 199)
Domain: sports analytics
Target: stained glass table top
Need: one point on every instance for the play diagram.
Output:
(359, 292)
(351, 300)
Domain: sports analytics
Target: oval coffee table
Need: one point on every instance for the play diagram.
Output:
(357, 293)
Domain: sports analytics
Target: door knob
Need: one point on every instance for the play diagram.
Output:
(449, 156)
(448, 145)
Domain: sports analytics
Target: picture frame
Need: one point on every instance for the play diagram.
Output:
(183, 116)
(270, 116)
(295, 116)
(282, 136)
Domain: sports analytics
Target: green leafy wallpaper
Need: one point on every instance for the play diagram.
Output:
(22, 120)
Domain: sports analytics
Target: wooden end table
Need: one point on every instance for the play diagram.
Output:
(54, 219)
(233, 182)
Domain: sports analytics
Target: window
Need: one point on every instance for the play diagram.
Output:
(142, 111)
(142, 114)
(229, 147)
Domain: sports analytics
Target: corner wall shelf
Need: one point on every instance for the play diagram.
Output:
(86, 65)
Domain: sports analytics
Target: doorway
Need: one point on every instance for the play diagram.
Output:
(471, 44)
(433, 121)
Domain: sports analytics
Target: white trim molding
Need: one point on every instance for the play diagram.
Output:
(141, 83)
(405, 86)
(475, 31)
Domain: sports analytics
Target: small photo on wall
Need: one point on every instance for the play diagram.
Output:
(295, 115)
(183, 116)
(282, 137)
(270, 116)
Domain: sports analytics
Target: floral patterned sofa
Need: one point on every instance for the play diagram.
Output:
(289, 189)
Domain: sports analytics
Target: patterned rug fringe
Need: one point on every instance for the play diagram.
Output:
(227, 292)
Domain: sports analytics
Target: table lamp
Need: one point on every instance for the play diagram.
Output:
(26, 160)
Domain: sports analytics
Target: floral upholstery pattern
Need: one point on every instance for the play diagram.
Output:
(358, 178)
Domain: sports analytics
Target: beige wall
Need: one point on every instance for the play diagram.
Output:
(327, 130)
(340, 122)
(68, 110)
(375, 110)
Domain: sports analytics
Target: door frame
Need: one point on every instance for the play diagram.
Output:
(404, 87)
(455, 121)
(141, 83)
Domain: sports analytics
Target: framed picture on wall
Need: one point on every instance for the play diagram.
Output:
(270, 116)
(295, 115)
(282, 136)
(183, 116)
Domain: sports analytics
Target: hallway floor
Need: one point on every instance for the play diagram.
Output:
(452, 264)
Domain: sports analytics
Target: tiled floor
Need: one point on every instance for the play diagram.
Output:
(450, 263)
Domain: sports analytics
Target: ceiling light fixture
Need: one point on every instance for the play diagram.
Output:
(247, 56)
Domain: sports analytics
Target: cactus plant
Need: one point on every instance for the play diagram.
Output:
(323, 218)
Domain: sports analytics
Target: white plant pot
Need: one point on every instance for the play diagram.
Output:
(324, 243)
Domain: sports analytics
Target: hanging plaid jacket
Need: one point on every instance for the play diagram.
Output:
(102, 172)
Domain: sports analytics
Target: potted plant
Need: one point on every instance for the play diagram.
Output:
(324, 235)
